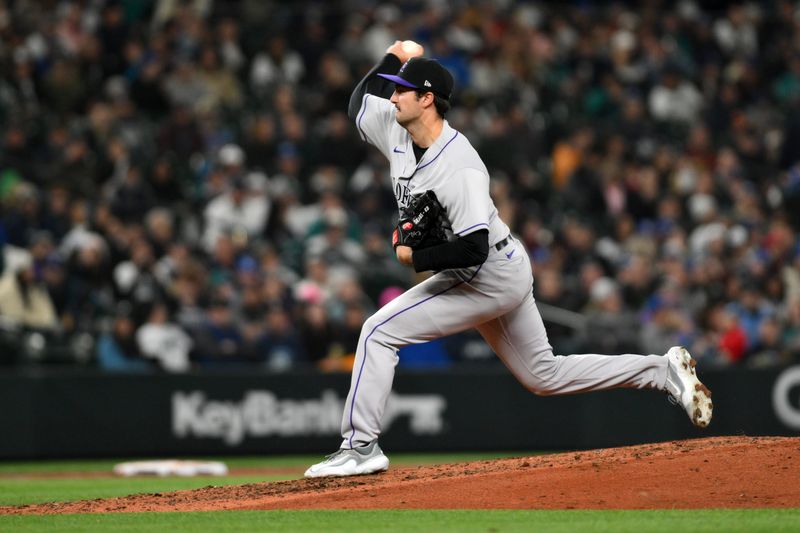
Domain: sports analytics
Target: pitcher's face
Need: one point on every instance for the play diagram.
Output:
(408, 104)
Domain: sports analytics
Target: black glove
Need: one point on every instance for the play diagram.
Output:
(421, 224)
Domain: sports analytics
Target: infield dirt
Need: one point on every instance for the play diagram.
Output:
(719, 472)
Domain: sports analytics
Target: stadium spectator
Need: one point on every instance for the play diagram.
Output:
(163, 341)
(24, 300)
(218, 338)
(240, 210)
(280, 347)
(117, 350)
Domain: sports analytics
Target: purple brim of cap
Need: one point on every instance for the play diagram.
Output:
(398, 80)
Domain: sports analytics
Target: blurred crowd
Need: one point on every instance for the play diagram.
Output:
(181, 188)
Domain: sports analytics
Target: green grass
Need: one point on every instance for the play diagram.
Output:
(279, 461)
(105, 465)
(767, 520)
(17, 489)
(24, 491)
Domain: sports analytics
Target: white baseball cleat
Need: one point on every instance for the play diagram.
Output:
(685, 389)
(364, 460)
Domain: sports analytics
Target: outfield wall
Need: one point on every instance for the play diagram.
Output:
(49, 414)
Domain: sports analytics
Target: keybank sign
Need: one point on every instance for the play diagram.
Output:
(260, 413)
(782, 392)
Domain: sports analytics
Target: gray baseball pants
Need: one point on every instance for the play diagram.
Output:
(495, 298)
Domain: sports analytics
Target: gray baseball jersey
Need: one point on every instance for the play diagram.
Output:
(495, 297)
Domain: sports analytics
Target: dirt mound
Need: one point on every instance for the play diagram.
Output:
(703, 473)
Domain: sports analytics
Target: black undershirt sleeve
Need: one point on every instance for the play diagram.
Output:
(374, 84)
(466, 251)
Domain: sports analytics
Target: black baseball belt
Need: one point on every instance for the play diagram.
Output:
(502, 244)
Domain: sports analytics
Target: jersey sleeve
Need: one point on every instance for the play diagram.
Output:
(374, 121)
(466, 200)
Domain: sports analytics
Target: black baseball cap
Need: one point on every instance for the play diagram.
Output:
(423, 74)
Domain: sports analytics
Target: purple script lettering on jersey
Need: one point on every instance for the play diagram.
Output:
(402, 194)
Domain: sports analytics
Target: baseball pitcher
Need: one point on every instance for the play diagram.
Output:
(449, 224)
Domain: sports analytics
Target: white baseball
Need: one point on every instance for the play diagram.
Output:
(412, 48)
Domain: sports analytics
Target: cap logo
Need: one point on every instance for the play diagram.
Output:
(427, 83)
(404, 66)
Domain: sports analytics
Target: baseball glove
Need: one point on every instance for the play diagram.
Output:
(422, 224)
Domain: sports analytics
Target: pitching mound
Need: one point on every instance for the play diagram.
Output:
(705, 473)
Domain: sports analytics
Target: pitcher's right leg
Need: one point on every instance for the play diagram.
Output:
(520, 340)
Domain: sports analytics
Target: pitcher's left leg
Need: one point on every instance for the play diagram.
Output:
(441, 305)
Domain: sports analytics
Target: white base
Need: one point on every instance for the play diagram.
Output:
(171, 467)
